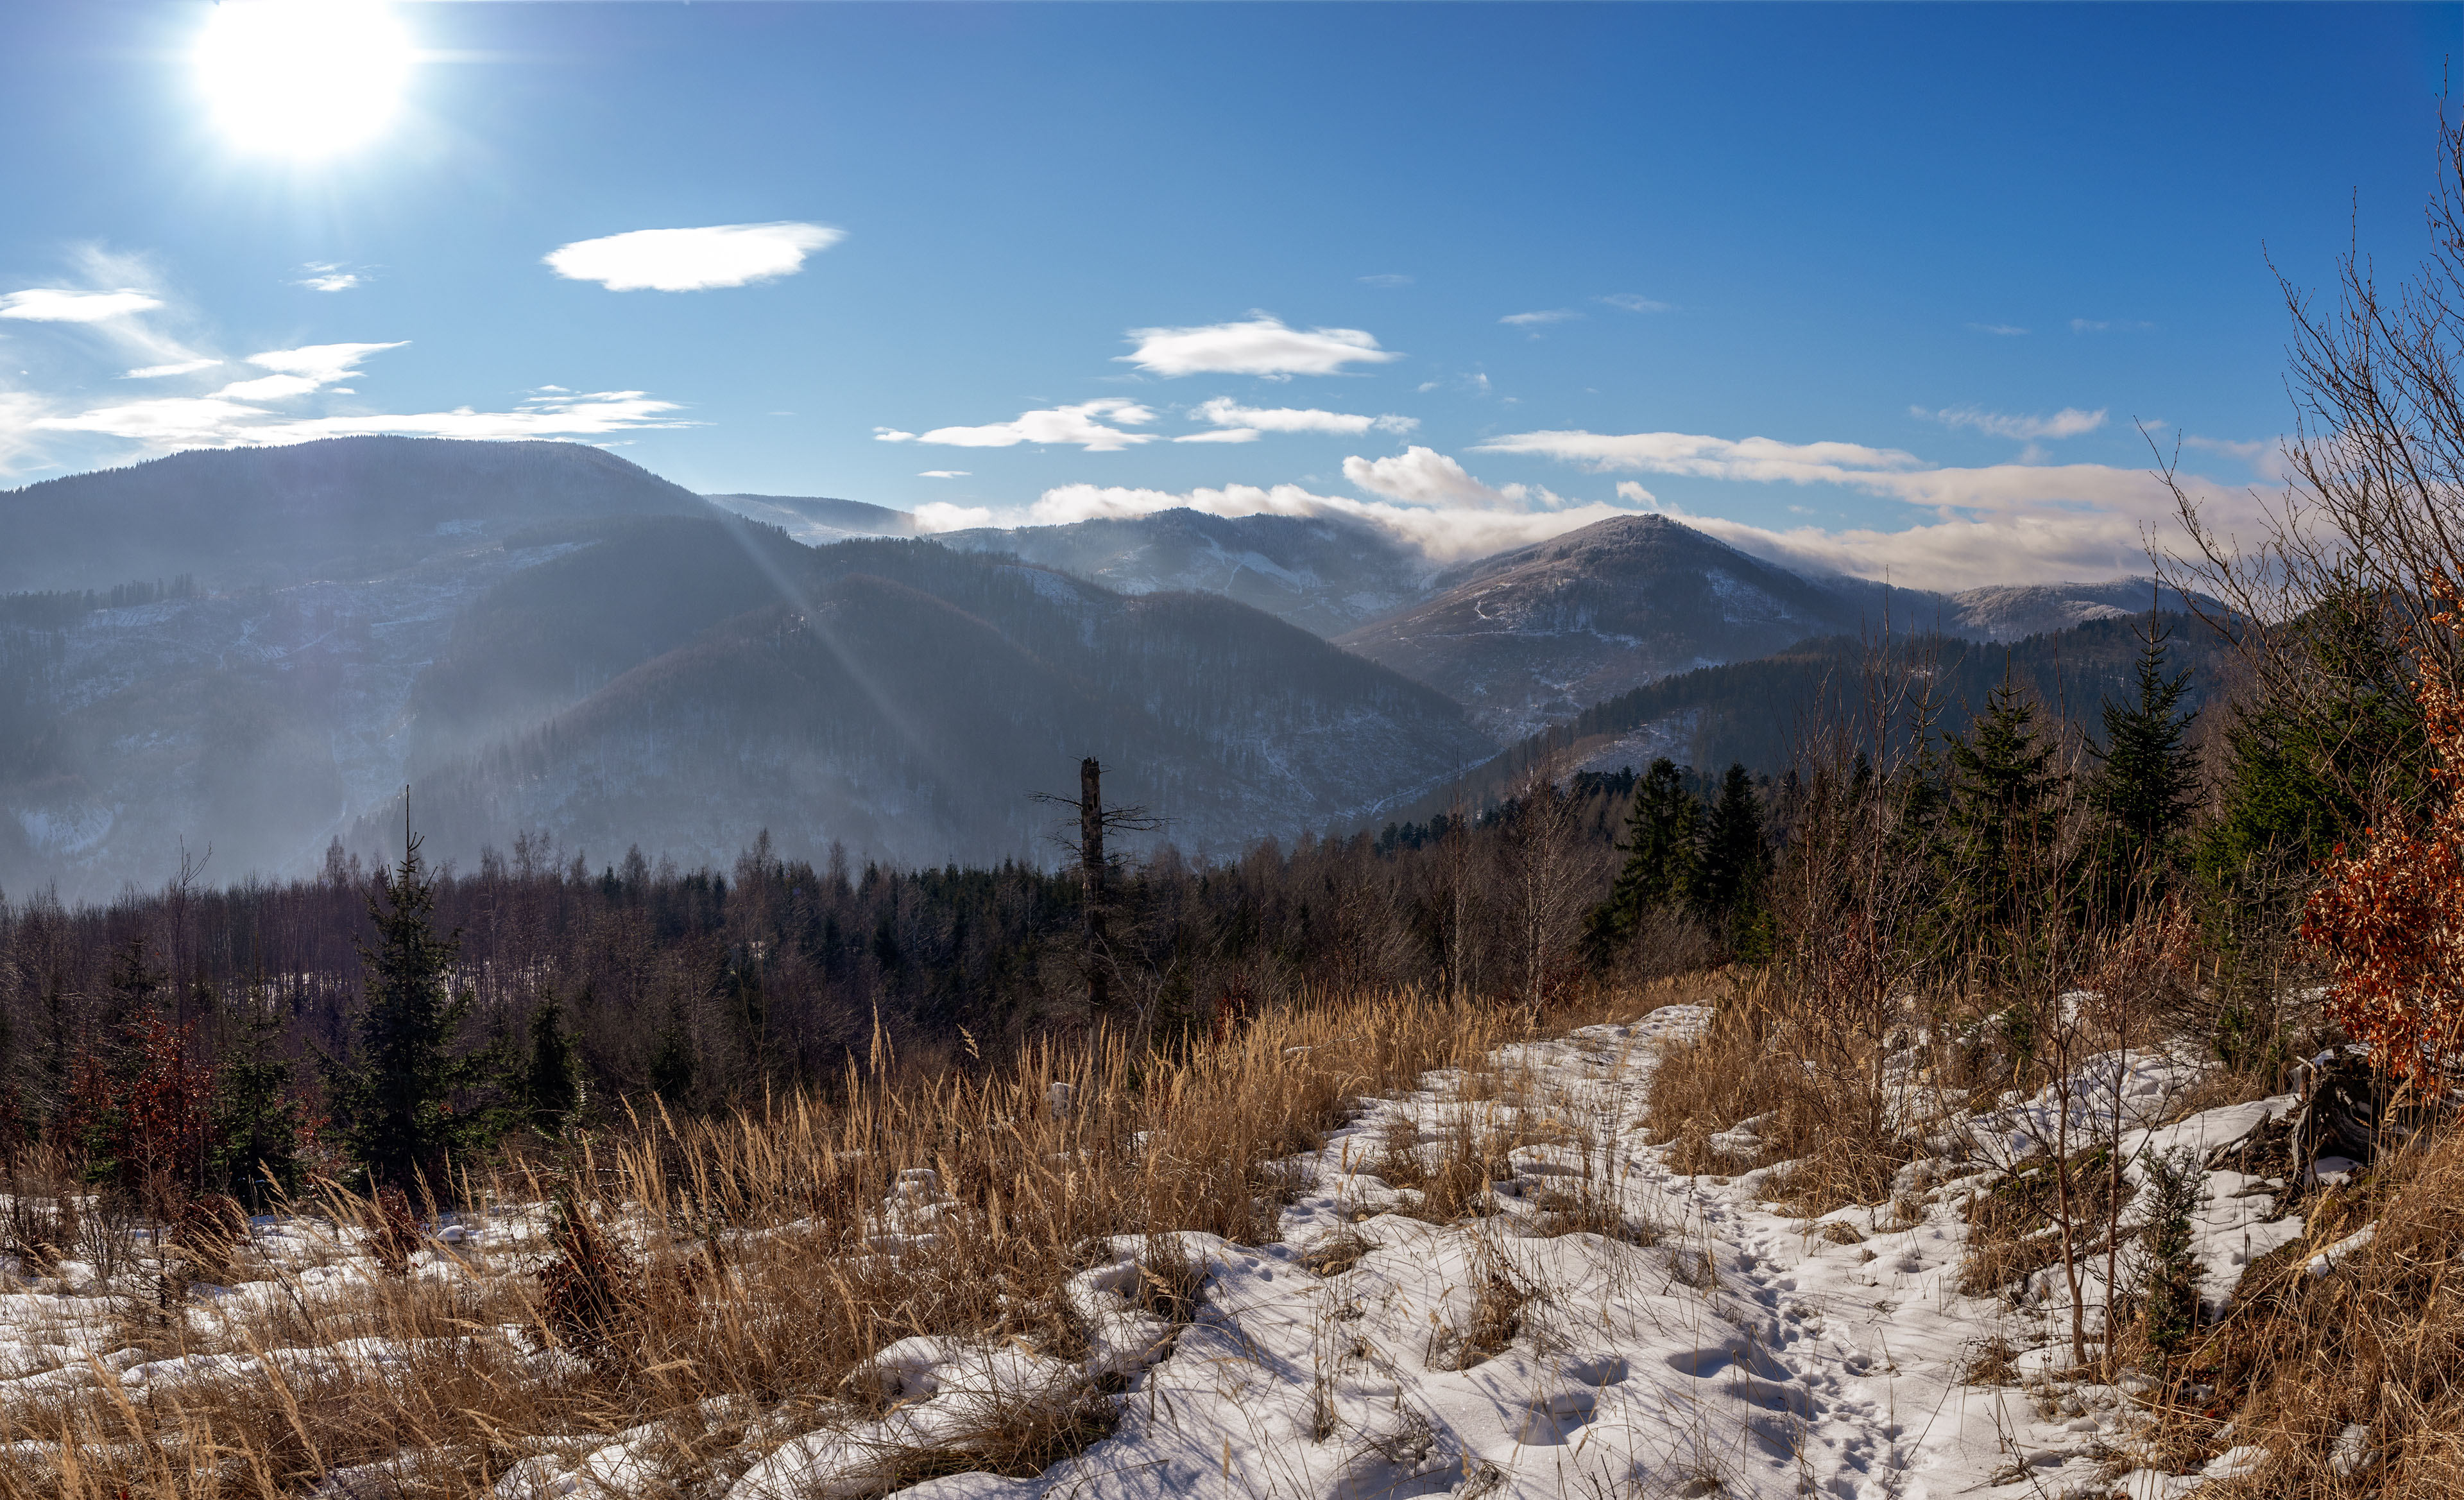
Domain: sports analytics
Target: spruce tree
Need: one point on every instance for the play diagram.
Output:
(1661, 831)
(257, 1122)
(393, 1095)
(1734, 853)
(2148, 776)
(551, 1077)
(2002, 810)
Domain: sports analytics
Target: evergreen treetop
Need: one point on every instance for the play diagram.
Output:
(393, 1095)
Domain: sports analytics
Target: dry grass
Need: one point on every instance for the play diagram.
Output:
(1808, 1094)
(2379, 1342)
(2013, 1230)
(716, 1284)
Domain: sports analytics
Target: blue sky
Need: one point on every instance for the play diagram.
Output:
(1876, 288)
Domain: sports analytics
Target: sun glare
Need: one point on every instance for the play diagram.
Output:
(304, 77)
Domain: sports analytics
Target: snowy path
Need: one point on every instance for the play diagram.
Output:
(1705, 1345)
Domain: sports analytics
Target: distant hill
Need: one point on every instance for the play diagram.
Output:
(344, 508)
(1537, 634)
(1761, 712)
(818, 521)
(905, 699)
(2012, 611)
(1323, 573)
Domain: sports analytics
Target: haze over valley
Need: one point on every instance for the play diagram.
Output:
(544, 638)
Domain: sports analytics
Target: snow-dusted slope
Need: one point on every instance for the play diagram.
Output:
(1538, 634)
(2015, 611)
(1605, 1326)
(1322, 573)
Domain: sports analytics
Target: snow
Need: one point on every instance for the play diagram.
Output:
(1612, 1326)
(1742, 1350)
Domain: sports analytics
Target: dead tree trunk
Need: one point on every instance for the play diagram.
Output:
(1090, 869)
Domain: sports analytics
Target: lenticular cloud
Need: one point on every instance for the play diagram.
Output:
(693, 260)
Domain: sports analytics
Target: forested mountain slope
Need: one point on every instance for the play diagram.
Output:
(905, 699)
(1767, 713)
(1324, 573)
(346, 508)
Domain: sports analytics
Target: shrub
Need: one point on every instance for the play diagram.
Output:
(2390, 919)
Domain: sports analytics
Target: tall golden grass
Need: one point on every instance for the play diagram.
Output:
(717, 1286)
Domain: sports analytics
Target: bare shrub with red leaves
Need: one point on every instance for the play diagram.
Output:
(2390, 919)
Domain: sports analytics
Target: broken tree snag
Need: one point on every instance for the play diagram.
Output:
(1095, 821)
(1090, 869)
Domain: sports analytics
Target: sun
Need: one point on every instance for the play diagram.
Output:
(302, 78)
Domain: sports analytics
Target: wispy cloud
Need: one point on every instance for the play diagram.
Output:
(1228, 434)
(2068, 422)
(298, 371)
(938, 515)
(1633, 303)
(1087, 425)
(328, 276)
(218, 422)
(50, 304)
(177, 367)
(1442, 533)
(245, 413)
(2002, 330)
(1226, 412)
(944, 473)
(1551, 315)
(2014, 523)
(1757, 458)
(2247, 452)
(2107, 325)
(1386, 279)
(1262, 345)
(693, 260)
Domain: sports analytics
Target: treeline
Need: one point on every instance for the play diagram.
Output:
(58, 609)
(704, 989)
(1767, 713)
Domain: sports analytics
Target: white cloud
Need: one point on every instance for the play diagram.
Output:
(2005, 330)
(1084, 424)
(1553, 314)
(1261, 347)
(1386, 279)
(941, 516)
(1442, 533)
(1628, 490)
(236, 416)
(180, 368)
(693, 260)
(220, 422)
(945, 473)
(63, 305)
(327, 275)
(1424, 476)
(1225, 411)
(1229, 434)
(2247, 452)
(1707, 457)
(1631, 303)
(2068, 422)
(891, 435)
(301, 371)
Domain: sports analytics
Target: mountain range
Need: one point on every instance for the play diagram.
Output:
(254, 652)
